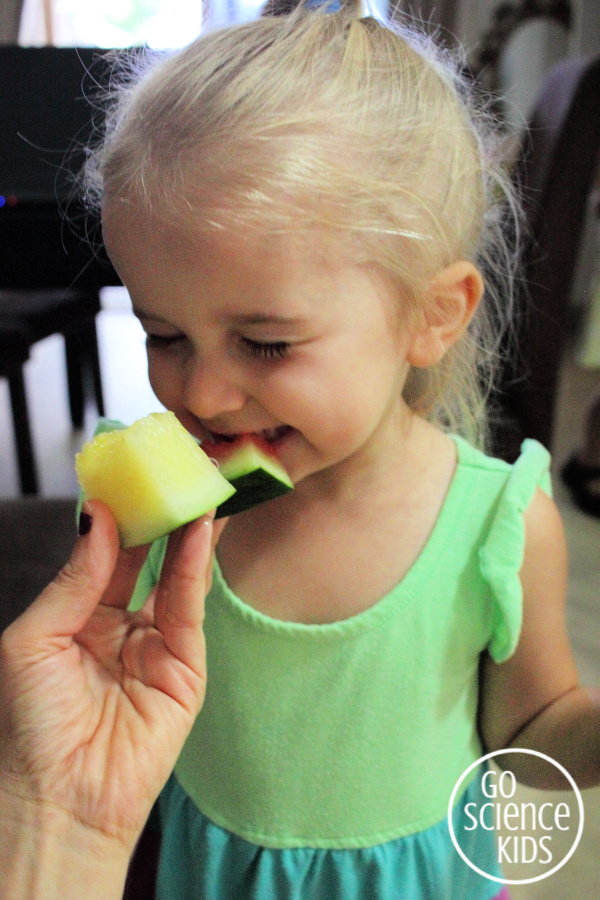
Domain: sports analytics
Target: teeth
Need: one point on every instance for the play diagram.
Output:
(269, 434)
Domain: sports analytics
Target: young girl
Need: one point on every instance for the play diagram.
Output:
(297, 207)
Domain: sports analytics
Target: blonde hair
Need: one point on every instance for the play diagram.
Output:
(324, 120)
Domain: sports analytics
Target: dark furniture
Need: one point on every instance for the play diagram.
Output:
(14, 353)
(50, 271)
(556, 172)
(30, 316)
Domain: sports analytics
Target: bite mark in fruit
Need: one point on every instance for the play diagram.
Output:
(251, 465)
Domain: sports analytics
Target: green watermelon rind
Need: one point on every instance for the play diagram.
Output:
(249, 458)
(256, 478)
(251, 489)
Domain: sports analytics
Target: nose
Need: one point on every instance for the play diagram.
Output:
(212, 388)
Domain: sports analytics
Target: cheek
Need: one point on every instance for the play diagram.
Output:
(335, 407)
(363, 397)
(165, 381)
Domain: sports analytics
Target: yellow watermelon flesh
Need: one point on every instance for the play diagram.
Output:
(152, 475)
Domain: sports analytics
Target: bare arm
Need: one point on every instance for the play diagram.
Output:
(46, 854)
(534, 700)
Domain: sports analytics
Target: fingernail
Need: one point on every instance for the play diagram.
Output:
(85, 524)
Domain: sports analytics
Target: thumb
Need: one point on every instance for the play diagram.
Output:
(64, 607)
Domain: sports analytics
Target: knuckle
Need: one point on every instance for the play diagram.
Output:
(68, 575)
(70, 578)
(177, 620)
(15, 642)
(9, 642)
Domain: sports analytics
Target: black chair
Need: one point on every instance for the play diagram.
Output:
(50, 276)
(14, 353)
(71, 313)
(556, 172)
(30, 316)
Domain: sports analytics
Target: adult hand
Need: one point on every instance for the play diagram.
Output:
(96, 702)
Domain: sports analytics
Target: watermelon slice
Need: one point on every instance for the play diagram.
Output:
(252, 467)
(153, 476)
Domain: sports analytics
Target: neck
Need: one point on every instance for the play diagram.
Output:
(334, 546)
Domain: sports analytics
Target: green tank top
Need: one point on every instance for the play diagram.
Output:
(354, 733)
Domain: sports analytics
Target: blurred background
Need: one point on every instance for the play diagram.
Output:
(70, 346)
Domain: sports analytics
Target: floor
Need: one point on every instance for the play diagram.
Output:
(128, 396)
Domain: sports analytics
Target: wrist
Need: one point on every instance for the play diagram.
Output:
(46, 854)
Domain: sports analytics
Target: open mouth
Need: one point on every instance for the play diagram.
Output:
(270, 435)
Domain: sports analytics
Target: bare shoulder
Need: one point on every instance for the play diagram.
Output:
(542, 667)
(544, 530)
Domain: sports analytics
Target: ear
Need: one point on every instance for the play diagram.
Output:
(450, 301)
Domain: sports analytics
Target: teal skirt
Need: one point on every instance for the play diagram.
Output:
(202, 861)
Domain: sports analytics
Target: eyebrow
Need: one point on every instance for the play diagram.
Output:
(142, 314)
(266, 319)
(241, 319)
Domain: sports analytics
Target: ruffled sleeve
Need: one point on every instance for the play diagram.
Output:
(501, 556)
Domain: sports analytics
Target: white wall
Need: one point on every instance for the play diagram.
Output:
(586, 30)
(534, 48)
(475, 16)
(473, 19)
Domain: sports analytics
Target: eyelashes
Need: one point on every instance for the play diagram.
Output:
(256, 349)
(274, 350)
(162, 341)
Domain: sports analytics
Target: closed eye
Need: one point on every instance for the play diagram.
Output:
(163, 341)
(266, 350)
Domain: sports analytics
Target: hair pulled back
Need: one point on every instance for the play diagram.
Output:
(326, 121)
